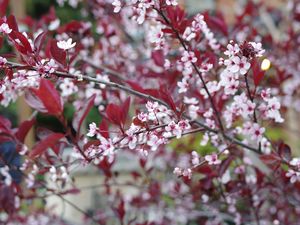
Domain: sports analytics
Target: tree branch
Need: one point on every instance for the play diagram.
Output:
(138, 94)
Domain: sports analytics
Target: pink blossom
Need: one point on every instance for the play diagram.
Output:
(293, 175)
(176, 129)
(189, 34)
(156, 35)
(188, 57)
(295, 162)
(187, 173)
(237, 64)
(106, 147)
(200, 24)
(195, 158)
(183, 85)
(130, 140)
(183, 172)
(154, 141)
(68, 87)
(232, 50)
(212, 159)
(258, 48)
(3, 61)
(177, 171)
(257, 132)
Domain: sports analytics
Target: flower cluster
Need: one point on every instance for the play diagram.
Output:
(237, 64)
(198, 25)
(61, 174)
(13, 87)
(176, 129)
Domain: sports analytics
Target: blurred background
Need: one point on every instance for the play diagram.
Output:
(88, 180)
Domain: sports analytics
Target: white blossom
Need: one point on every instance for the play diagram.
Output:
(117, 6)
(172, 2)
(4, 28)
(212, 159)
(66, 45)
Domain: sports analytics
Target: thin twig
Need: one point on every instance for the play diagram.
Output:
(105, 69)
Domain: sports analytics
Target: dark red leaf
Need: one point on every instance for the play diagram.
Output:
(1, 42)
(105, 165)
(58, 54)
(48, 49)
(285, 151)
(73, 26)
(136, 121)
(4, 138)
(104, 129)
(50, 97)
(28, 21)
(271, 160)
(217, 22)
(118, 114)
(91, 143)
(3, 7)
(135, 86)
(7, 199)
(113, 112)
(258, 74)
(224, 165)
(82, 113)
(120, 211)
(135, 175)
(72, 191)
(205, 169)
(46, 143)
(9, 73)
(176, 16)
(5, 125)
(39, 41)
(124, 110)
(23, 129)
(167, 97)
(12, 23)
(143, 162)
(158, 57)
(20, 42)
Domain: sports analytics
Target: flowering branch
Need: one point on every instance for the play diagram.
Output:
(135, 93)
(195, 68)
(136, 76)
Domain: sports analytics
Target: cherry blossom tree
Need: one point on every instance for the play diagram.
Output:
(191, 99)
